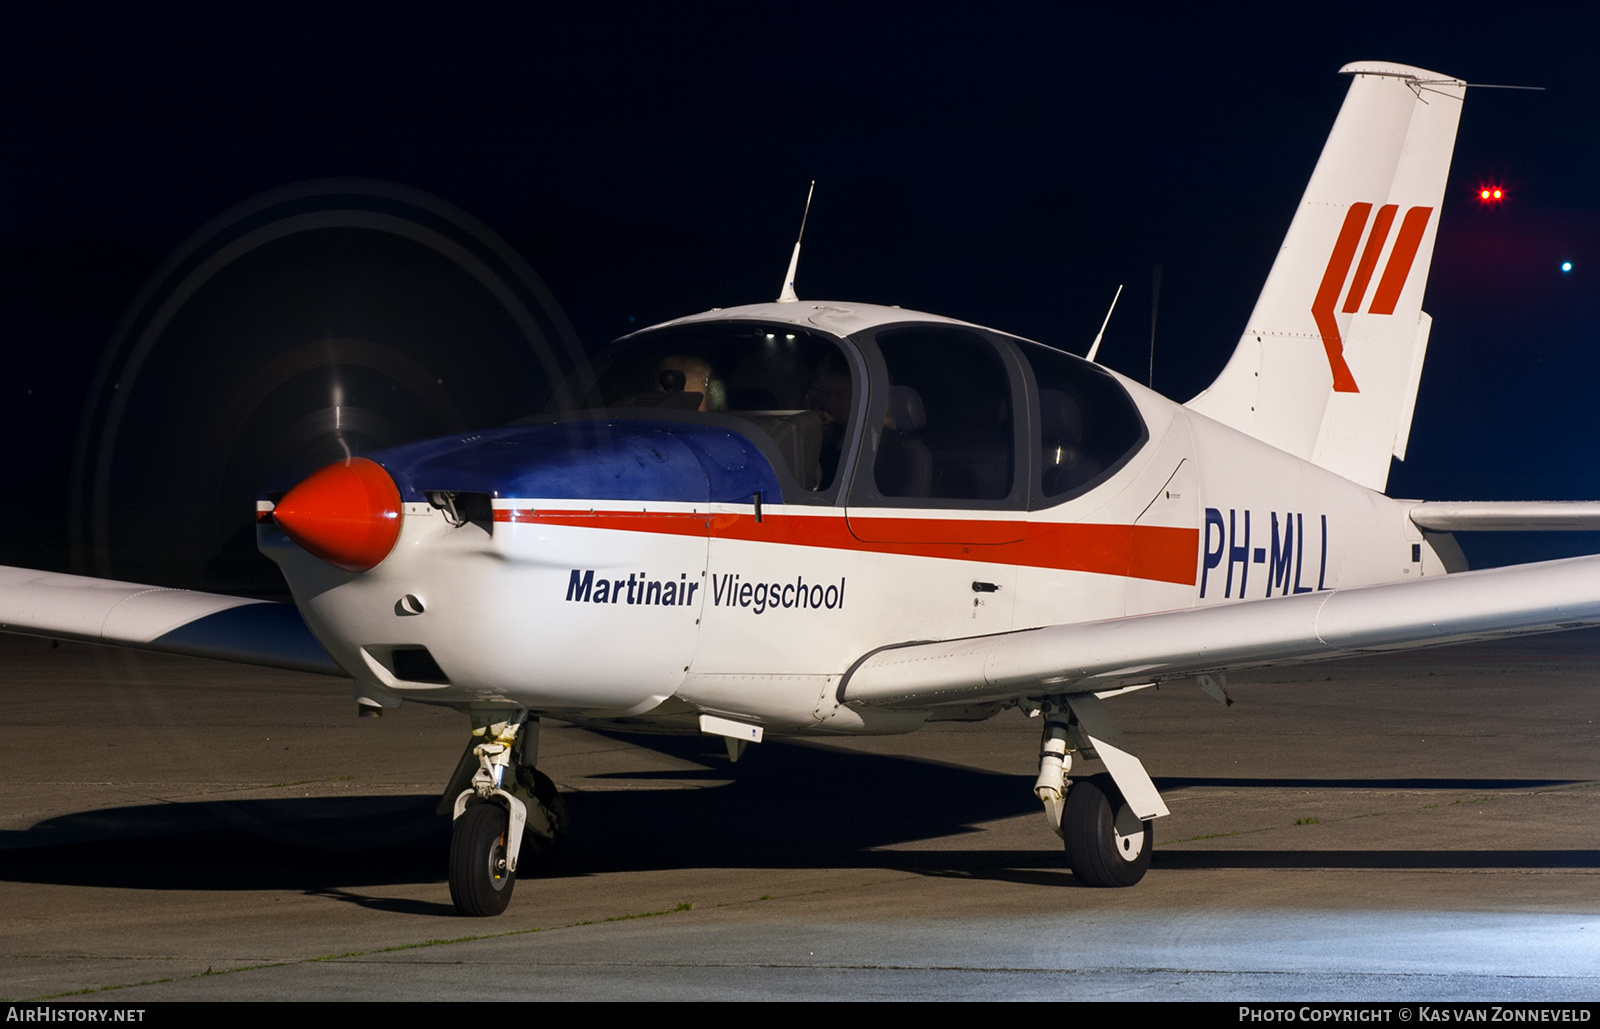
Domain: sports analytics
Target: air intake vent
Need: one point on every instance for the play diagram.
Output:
(410, 664)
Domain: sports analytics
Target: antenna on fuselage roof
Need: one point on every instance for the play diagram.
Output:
(1094, 348)
(786, 295)
(1155, 305)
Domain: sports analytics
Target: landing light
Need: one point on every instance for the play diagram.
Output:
(1491, 194)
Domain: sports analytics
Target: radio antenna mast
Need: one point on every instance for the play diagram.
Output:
(786, 295)
(1155, 305)
(1094, 348)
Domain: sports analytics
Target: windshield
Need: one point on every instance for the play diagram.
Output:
(793, 386)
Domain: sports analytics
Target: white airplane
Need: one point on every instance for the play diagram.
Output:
(807, 518)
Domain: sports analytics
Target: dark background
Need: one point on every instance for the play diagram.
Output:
(1009, 167)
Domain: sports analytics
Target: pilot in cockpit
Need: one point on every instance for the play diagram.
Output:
(688, 374)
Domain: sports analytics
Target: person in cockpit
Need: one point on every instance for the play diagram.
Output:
(689, 374)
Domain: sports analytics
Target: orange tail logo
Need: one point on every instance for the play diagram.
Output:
(1392, 282)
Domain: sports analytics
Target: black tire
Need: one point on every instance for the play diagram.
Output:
(480, 883)
(1098, 853)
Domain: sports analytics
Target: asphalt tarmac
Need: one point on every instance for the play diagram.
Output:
(1416, 827)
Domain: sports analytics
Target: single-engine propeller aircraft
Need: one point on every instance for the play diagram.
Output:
(802, 518)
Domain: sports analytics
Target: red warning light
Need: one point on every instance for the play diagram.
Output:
(1491, 194)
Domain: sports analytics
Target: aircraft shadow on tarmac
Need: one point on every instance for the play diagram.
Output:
(1174, 783)
(781, 807)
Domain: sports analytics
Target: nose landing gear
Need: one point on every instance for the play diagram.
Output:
(492, 811)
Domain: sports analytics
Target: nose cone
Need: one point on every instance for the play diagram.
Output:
(348, 514)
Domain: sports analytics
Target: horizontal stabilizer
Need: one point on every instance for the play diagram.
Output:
(1096, 656)
(75, 607)
(1508, 516)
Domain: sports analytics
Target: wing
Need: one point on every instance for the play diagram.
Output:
(1099, 656)
(74, 607)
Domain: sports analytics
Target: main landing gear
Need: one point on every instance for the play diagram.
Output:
(1108, 843)
(501, 804)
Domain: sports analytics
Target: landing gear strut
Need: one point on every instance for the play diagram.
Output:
(495, 795)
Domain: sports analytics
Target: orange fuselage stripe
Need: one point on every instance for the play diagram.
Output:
(1160, 553)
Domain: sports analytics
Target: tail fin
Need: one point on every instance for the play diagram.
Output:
(1329, 363)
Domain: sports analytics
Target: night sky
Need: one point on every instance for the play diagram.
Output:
(1010, 168)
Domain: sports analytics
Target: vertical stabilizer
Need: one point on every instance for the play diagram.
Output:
(1328, 366)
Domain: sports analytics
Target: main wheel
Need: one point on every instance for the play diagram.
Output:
(480, 882)
(1107, 844)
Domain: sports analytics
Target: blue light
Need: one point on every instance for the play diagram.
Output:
(1566, 266)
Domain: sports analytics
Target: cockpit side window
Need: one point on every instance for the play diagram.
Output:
(1088, 425)
(947, 430)
(796, 388)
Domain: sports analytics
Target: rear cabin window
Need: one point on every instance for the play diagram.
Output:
(1088, 425)
(794, 387)
(947, 433)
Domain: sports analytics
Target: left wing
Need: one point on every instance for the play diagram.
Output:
(75, 607)
(1098, 656)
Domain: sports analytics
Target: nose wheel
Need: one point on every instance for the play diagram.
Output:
(501, 803)
(1107, 844)
(481, 878)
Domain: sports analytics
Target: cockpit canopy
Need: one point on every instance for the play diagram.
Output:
(910, 414)
(793, 387)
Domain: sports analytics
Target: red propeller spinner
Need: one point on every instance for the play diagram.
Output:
(348, 514)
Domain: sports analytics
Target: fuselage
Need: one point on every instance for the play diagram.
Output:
(710, 523)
